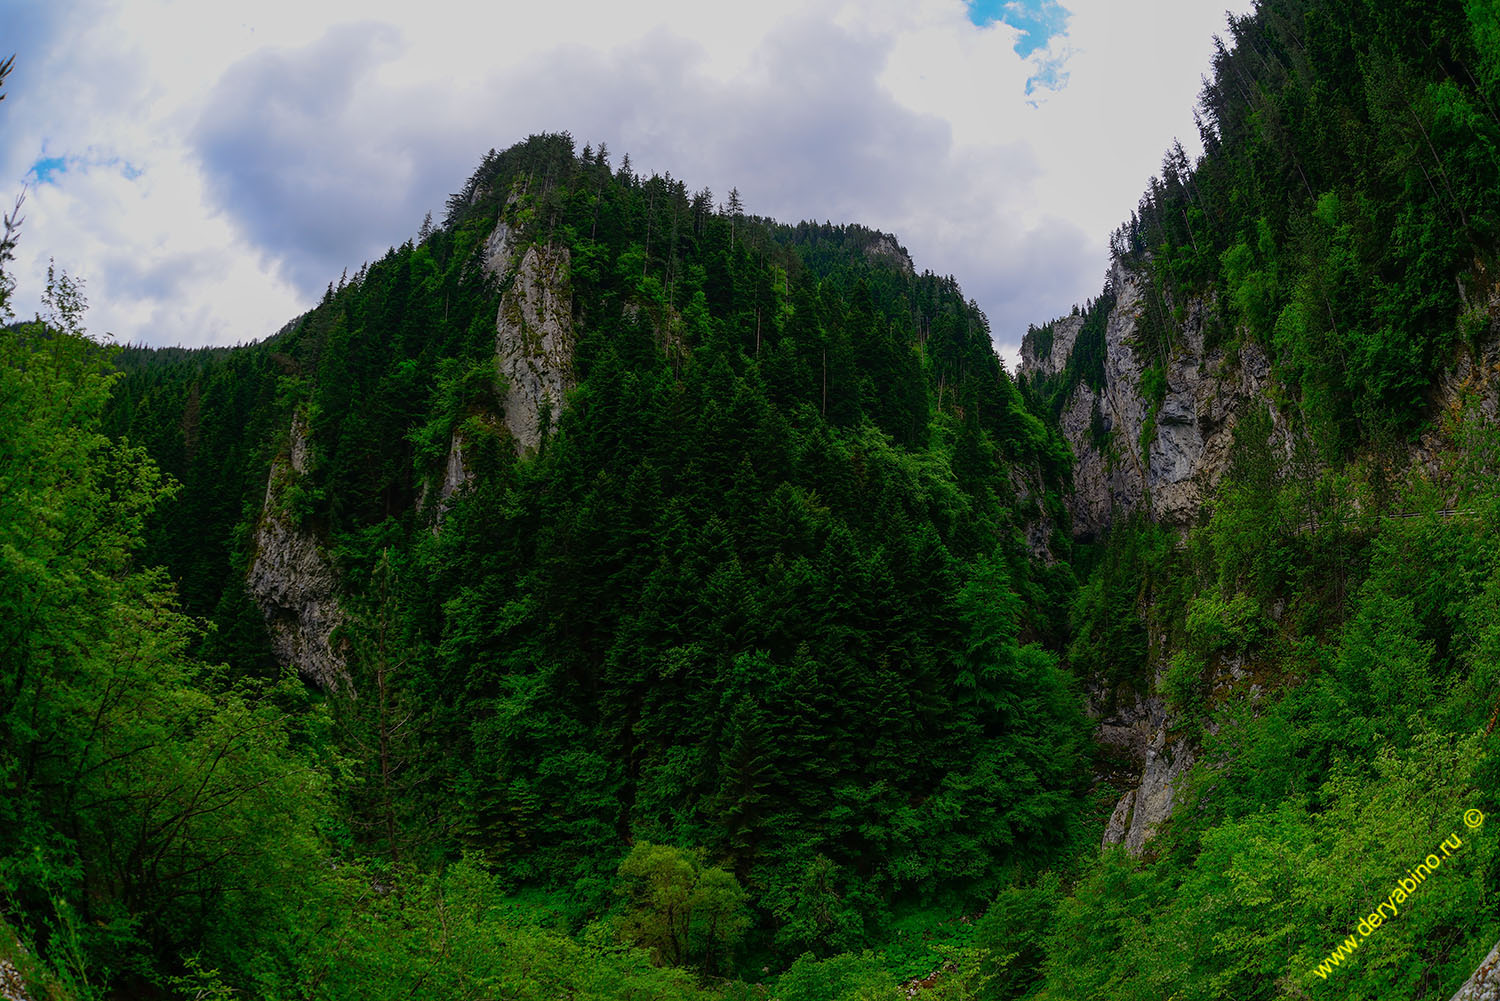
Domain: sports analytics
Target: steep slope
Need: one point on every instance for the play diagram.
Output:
(1154, 440)
(1282, 412)
(1331, 256)
(651, 522)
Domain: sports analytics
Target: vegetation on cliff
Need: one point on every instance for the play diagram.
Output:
(762, 674)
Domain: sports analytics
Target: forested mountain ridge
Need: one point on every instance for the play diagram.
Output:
(1329, 259)
(627, 543)
(609, 593)
(1282, 410)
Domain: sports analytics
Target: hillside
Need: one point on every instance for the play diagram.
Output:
(609, 592)
(1281, 409)
(595, 519)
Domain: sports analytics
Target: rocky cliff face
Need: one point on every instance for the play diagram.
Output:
(455, 474)
(1138, 732)
(291, 580)
(1164, 456)
(1207, 392)
(533, 332)
(1484, 985)
(534, 342)
(1049, 360)
(885, 248)
(1142, 809)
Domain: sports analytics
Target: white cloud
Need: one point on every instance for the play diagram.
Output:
(282, 142)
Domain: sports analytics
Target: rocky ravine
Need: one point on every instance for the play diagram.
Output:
(1208, 391)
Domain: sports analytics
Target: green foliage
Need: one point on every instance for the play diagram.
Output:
(816, 913)
(679, 910)
(1110, 645)
(765, 590)
(177, 799)
(1312, 802)
(1185, 686)
(1216, 625)
(1014, 932)
(843, 978)
(1348, 157)
(1267, 895)
(401, 934)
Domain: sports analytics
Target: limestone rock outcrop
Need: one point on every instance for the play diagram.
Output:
(1484, 985)
(290, 578)
(1138, 732)
(1049, 360)
(1151, 803)
(455, 474)
(885, 248)
(534, 342)
(499, 252)
(1208, 391)
(1118, 827)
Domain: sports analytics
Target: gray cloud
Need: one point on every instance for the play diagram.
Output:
(285, 149)
(323, 166)
(1036, 280)
(817, 136)
(168, 278)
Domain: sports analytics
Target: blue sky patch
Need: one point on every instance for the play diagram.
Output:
(46, 166)
(1050, 75)
(1038, 21)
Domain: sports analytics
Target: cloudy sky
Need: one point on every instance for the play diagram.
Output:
(207, 168)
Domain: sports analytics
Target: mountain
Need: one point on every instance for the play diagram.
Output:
(600, 516)
(612, 593)
(1281, 409)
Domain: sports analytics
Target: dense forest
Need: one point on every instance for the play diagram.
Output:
(759, 662)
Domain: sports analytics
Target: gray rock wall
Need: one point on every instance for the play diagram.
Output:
(1484, 985)
(291, 580)
(455, 474)
(1138, 732)
(1208, 392)
(1064, 335)
(1160, 786)
(499, 253)
(534, 341)
(885, 248)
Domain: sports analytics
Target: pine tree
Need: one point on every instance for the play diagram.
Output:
(736, 211)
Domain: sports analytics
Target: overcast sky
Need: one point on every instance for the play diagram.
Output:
(208, 168)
